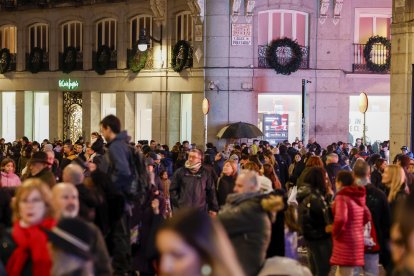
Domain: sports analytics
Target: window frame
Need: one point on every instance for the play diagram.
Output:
(69, 23)
(138, 18)
(3, 35)
(35, 26)
(103, 21)
(370, 12)
(188, 15)
(282, 24)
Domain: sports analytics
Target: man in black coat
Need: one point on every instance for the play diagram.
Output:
(332, 168)
(377, 204)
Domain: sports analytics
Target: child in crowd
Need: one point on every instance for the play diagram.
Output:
(8, 177)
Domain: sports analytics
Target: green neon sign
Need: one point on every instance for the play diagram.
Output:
(68, 84)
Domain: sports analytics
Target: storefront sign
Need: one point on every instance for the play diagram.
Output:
(275, 127)
(68, 84)
(241, 34)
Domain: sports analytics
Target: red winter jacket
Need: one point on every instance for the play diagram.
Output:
(350, 216)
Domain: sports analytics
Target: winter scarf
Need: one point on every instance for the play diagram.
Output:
(31, 243)
(193, 168)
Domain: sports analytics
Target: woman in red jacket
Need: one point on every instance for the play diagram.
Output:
(350, 215)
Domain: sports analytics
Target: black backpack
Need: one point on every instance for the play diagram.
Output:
(139, 185)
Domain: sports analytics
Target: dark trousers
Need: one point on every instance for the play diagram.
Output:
(319, 253)
(121, 246)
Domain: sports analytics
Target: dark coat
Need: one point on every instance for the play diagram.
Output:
(225, 187)
(5, 210)
(193, 190)
(333, 169)
(249, 229)
(87, 203)
(46, 176)
(376, 179)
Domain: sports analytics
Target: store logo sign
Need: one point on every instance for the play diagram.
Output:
(68, 84)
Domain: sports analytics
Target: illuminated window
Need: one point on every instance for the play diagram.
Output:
(8, 38)
(372, 22)
(184, 27)
(108, 104)
(71, 34)
(283, 23)
(136, 24)
(143, 116)
(39, 37)
(186, 117)
(8, 128)
(106, 33)
(41, 116)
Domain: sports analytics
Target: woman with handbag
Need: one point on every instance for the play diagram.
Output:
(314, 216)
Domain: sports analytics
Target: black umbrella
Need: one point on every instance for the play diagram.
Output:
(239, 130)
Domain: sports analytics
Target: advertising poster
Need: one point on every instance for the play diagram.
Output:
(275, 127)
(241, 34)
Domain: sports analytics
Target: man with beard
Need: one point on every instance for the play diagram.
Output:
(66, 205)
(193, 186)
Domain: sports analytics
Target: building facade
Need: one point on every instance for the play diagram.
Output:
(229, 47)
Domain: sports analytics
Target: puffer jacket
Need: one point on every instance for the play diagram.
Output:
(190, 190)
(350, 215)
(247, 221)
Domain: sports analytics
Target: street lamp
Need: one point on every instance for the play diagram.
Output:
(144, 40)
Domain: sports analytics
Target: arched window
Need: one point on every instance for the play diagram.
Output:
(8, 38)
(184, 26)
(106, 33)
(276, 24)
(39, 36)
(72, 35)
(136, 24)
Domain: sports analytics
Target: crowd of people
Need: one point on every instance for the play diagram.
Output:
(107, 206)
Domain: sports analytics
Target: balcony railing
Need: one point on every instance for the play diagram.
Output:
(379, 55)
(112, 60)
(283, 57)
(45, 65)
(79, 61)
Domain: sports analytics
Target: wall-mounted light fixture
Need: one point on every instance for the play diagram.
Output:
(214, 85)
(144, 40)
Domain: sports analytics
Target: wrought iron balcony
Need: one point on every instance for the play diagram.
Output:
(283, 57)
(112, 60)
(379, 55)
(45, 65)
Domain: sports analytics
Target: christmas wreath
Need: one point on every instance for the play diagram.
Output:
(180, 55)
(103, 58)
(5, 59)
(35, 62)
(291, 48)
(137, 60)
(69, 60)
(372, 66)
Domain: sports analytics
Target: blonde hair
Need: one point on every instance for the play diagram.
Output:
(397, 179)
(24, 191)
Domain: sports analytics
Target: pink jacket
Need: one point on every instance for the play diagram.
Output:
(9, 180)
(350, 216)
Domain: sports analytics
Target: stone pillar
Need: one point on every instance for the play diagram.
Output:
(122, 43)
(53, 47)
(197, 125)
(125, 111)
(21, 49)
(87, 46)
(173, 111)
(20, 114)
(91, 113)
(55, 115)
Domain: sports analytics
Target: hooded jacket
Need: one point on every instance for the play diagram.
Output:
(350, 215)
(247, 221)
(9, 180)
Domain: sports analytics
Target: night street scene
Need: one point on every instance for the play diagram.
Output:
(207, 137)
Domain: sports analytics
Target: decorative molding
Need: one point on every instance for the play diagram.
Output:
(159, 8)
(249, 11)
(235, 10)
(197, 9)
(323, 10)
(337, 10)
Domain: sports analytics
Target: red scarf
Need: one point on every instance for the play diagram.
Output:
(31, 243)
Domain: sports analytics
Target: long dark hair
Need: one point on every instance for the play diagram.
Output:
(316, 178)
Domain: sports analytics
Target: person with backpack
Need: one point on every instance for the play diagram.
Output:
(120, 173)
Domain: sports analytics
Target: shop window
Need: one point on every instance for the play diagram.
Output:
(72, 35)
(184, 27)
(39, 36)
(186, 117)
(377, 119)
(136, 24)
(106, 33)
(8, 114)
(372, 22)
(279, 117)
(41, 116)
(143, 116)
(8, 38)
(108, 104)
(277, 24)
